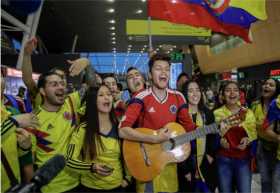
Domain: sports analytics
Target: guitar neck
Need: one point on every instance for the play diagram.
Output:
(198, 132)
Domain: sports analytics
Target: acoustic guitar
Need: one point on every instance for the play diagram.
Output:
(146, 160)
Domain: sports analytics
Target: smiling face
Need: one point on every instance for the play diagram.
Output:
(104, 100)
(54, 91)
(268, 88)
(160, 74)
(194, 94)
(112, 84)
(135, 81)
(231, 94)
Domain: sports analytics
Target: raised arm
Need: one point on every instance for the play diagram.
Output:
(27, 65)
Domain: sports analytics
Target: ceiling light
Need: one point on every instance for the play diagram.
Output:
(113, 48)
(168, 52)
(129, 46)
(171, 49)
(111, 1)
(112, 28)
(143, 0)
(114, 51)
(174, 1)
(113, 42)
(112, 21)
(113, 33)
(139, 11)
(111, 10)
(175, 46)
(157, 49)
(145, 46)
(160, 46)
(141, 52)
(113, 38)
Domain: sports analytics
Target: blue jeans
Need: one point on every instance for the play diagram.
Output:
(266, 163)
(276, 178)
(234, 173)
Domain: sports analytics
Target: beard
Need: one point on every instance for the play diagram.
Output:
(52, 100)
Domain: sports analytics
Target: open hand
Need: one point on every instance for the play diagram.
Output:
(77, 66)
(101, 169)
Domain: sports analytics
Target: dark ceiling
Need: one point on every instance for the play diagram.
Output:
(88, 20)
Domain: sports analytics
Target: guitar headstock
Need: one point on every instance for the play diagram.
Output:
(235, 119)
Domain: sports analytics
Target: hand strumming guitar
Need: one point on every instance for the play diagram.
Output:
(164, 134)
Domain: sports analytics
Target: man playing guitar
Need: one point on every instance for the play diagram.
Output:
(154, 108)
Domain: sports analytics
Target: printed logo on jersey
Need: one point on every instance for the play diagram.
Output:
(152, 110)
(173, 109)
(42, 142)
(50, 126)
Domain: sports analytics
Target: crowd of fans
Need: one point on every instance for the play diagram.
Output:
(87, 126)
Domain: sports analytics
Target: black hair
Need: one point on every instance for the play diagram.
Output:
(43, 78)
(120, 86)
(131, 68)
(54, 69)
(92, 137)
(182, 74)
(157, 57)
(107, 75)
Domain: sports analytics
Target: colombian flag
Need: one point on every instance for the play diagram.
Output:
(231, 17)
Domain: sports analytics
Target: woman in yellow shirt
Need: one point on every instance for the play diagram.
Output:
(234, 154)
(94, 150)
(266, 150)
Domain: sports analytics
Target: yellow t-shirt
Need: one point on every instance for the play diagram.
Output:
(249, 124)
(9, 147)
(52, 138)
(259, 113)
(110, 155)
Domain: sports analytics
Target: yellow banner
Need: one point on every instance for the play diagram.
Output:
(163, 28)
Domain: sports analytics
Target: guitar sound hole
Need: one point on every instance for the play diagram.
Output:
(169, 145)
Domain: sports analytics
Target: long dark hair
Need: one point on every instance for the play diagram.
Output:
(276, 93)
(91, 119)
(185, 89)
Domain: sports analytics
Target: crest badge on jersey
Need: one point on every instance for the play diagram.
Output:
(67, 116)
(218, 6)
(173, 109)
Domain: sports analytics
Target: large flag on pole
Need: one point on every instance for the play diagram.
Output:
(231, 17)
